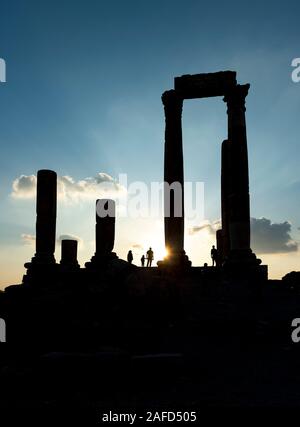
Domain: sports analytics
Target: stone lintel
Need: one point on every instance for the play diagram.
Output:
(205, 85)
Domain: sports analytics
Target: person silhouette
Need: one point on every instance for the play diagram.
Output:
(130, 257)
(150, 256)
(214, 255)
(143, 260)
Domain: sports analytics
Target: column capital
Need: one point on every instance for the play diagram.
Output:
(172, 100)
(236, 97)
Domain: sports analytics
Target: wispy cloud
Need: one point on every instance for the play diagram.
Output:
(28, 239)
(138, 246)
(210, 227)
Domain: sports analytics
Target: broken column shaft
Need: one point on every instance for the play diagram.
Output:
(105, 226)
(69, 253)
(104, 232)
(45, 216)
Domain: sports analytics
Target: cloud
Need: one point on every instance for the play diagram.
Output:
(68, 189)
(24, 187)
(210, 227)
(268, 237)
(28, 239)
(137, 246)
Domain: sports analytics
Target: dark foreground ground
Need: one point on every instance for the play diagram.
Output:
(147, 343)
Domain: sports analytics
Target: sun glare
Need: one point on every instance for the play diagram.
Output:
(158, 247)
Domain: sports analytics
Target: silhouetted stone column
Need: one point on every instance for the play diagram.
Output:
(69, 253)
(225, 191)
(45, 216)
(238, 182)
(105, 226)
(105, 232)
(220, 246)
(174, 179)
(43, 266)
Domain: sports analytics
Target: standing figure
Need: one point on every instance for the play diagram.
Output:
(130, 257)
(214, 255)
(150, 256)
(143, 260)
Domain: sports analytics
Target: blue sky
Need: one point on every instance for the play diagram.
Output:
(84, 81)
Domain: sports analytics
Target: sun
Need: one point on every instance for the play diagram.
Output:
(167, 252)
(158, 247)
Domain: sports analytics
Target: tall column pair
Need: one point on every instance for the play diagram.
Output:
(235, 182)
